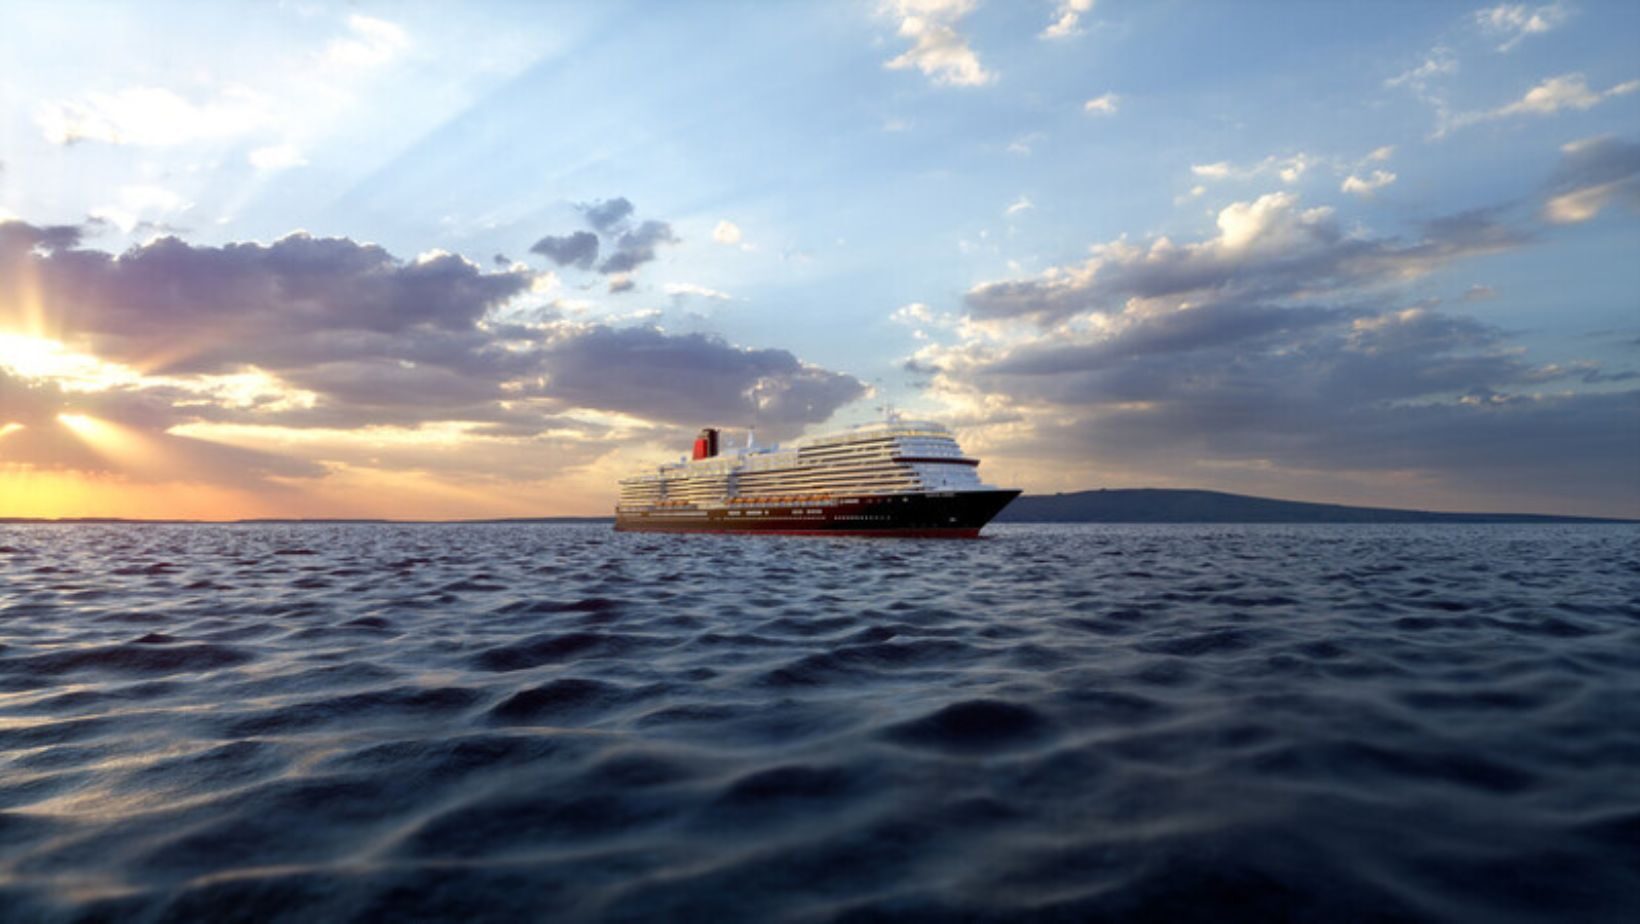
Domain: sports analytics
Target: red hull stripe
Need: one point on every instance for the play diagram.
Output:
(877, 533)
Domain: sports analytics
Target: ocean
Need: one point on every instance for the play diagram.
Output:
(506, 722)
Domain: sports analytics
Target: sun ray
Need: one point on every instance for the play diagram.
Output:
(123, 447)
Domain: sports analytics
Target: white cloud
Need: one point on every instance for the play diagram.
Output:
(1567, 91)
(1580, 204)
(1439, 63)
(1513, 22)
(683, 289)
(148, 116)
(1382, 154)
(1024, 144)
(1270, 222)
(1066, 17)
(152, 117)
(1022, 204)
(277, 157)
(726, 232)
(1421, 81)
(1290, 169)
(938, 49)
(372, 42)
(914, 313)
(1102, 105)
(136, 202)
(1366, 186)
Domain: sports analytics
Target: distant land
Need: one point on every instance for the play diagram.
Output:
(1169, 505)
(1122, 505)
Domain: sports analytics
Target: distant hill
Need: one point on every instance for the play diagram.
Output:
(1163, 505)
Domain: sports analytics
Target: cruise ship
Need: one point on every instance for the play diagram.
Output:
(890, 478)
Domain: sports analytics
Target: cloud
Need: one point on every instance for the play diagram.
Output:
(1290, 168)
(1022, 204)
(153, 117)
(692, 380)
(1556, 94)
(128, 436)
(1513, 22)
(295, 97)
(1102, 105)
(1568, 91)
(1439, 63)
(938, 49)
(579, 249)
(621, 283)
(686, 289)
(635, 247)
(626, 247)
(277, 157)
(1479, 293)
(726, 232)
(305, 309)
(1067, 15)
(135, 203)
(371, 42)
(1367, 185)
(1294, 374)
(1593, 174)
(1270, 248)
(338, 334)
(1024, 144)
(1424, 80)
(606, 215)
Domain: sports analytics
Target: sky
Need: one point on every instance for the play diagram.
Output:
(435, 260)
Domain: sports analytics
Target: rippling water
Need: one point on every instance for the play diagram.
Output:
(506, 722)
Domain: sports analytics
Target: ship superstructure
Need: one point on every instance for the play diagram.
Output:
(891, 477)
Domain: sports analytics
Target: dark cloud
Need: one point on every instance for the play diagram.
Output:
(1271, 347)
(579, 249)
(172, 307)
(1323, 390)
(1171, 332)
(619, 284)
(637, 247)
(627, 247)
(607, 214)
(1266, 251)
(18, 239)
(693, 380)
(370, 339)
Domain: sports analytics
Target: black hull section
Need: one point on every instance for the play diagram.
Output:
(946, 515)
